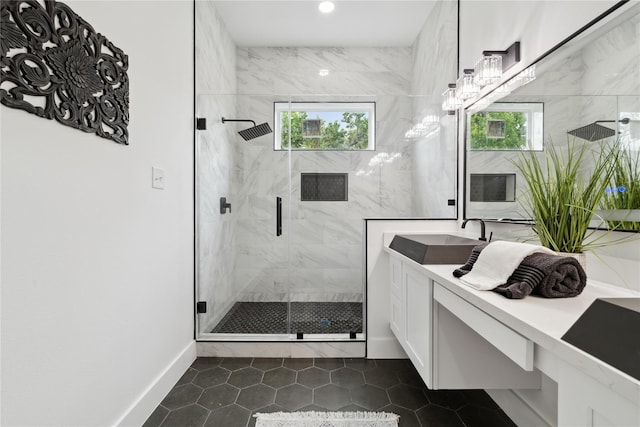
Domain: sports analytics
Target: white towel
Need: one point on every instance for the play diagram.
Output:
(497, 261)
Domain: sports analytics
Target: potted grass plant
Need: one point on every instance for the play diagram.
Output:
(623, 194)
(565, 186)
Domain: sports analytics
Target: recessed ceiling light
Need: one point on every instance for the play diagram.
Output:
(326, 7)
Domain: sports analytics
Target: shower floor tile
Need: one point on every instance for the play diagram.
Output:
(306, 317)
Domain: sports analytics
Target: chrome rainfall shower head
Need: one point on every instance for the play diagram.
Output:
(253, 132)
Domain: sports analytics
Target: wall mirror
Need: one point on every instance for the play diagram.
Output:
(586, 91)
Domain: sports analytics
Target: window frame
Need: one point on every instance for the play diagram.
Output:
(321, 106)
(534, 112)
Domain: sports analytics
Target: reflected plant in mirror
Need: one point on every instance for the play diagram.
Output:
(623, 193)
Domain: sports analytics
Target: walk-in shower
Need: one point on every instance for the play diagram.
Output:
(287, 263)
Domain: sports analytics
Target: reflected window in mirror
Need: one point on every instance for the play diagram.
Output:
(507, 126)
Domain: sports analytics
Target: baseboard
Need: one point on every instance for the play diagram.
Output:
(519, 412)
(149, 400)
(385, 348)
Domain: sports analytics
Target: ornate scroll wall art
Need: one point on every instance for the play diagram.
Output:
(55, 65)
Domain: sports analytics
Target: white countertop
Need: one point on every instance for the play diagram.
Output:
(543, 320)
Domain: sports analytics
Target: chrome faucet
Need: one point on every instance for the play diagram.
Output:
(482, 231)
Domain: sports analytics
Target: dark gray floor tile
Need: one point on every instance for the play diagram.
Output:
(360, 364)
(202, 363)
(211, 377)
(245, 377)
(187, 376)
(347, 377)
(189, 416)
(381, 377)
(279, 377)
(266, 363)
(329, 364)
(394, 365)
(479, 398)
(229, 416)
(233, 364)
(407, 396)
(450, 399)
(298, 364)
(477, 416)
(407, 417)
(293, 397)
(157, 417)
(331, 397)
(370, 397)
(218, 396)
(313, 377)
(256, 396)
(182, 395)
(410, 376)
(437, 416)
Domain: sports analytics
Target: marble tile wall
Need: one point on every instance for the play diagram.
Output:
(215, 74)
(326, 237)
(433, 151)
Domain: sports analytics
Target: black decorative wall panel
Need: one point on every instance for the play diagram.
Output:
(324, 187)
(55, 65)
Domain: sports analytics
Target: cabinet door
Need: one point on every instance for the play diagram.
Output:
(418, 296)
(397, 312)
(585, 402)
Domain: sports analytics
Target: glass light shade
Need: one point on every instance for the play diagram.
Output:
(450, 101)
(466, 87)
(488, 70)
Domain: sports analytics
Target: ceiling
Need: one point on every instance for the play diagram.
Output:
(360, 23)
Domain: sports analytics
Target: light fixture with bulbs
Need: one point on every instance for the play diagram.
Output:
(326, 7)
(488, 71)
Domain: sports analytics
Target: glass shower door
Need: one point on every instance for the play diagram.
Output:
(242, 249)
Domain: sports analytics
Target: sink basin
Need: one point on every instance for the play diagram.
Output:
(610, 331)
(434, 248)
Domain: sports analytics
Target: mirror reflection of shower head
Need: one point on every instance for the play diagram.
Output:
(596, 132)
(253, 132)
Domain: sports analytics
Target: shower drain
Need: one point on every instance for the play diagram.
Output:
(325, 322)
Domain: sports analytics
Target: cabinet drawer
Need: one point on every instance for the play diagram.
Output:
(510, 343)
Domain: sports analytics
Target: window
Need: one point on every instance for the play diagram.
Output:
(507, 126)
(325, 125)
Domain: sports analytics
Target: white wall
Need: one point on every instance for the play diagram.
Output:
(97, 277)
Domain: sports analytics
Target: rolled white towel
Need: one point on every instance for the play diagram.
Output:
(497, 262)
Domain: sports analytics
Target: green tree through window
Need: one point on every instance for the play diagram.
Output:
(349, 133)
(515, 131)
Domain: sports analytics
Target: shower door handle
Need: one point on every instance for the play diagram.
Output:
(278, 216)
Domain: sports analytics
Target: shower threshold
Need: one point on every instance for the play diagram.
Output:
(314, 320)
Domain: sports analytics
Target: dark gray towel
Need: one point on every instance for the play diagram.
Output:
(551, 276)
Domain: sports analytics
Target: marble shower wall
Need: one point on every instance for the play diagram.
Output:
(215, 74)
(433, 148)
(326, 237)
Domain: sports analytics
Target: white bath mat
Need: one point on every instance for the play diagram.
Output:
(327, 419)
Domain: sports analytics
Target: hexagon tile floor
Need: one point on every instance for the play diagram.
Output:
(226, 392)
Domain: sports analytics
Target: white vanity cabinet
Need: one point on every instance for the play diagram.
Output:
(446, 352)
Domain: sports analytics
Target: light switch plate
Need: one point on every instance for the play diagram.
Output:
(157, 178)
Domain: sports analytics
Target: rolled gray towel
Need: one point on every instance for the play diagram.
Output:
(550, 276)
